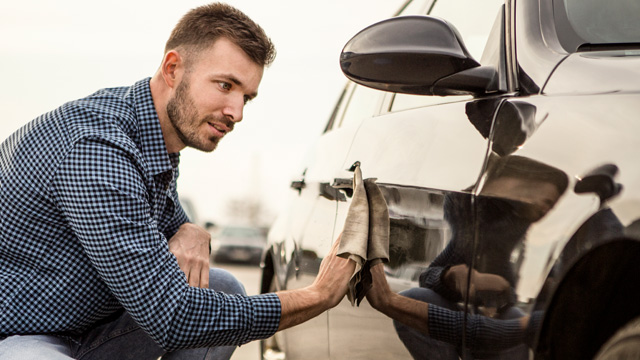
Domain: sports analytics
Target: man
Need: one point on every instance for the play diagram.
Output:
(98, 258)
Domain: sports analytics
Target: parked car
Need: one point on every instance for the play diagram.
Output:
(513, 153)
(242, 244)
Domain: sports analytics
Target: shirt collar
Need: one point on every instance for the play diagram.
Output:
(152, 142)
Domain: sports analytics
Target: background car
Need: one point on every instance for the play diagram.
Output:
(504, 138)
(237, 243)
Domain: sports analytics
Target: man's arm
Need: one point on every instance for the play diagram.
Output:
(327, 290)
(101, 189)
(408, 311)
(490, 334)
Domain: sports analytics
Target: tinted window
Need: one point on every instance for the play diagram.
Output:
(593, 22)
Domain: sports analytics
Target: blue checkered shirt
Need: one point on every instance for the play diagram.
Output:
(88, 198)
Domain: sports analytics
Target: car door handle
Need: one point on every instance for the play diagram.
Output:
(344, 184)
(331, 193)
(298, 185)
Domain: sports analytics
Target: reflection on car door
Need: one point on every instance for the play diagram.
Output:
(419, 157)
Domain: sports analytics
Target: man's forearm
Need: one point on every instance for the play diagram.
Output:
(327, 290)
(408, 311)
(301, 305)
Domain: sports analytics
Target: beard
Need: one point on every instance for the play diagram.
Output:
(183, 116)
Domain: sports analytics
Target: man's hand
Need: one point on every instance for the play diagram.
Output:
(190, 245)
(408, 311)
(379, 296)
(327, 290)
(333, 276)
(456, 279)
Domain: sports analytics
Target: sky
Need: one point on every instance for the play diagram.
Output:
(56, 51)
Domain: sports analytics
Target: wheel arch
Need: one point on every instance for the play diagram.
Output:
(268, 271)
(595, 297)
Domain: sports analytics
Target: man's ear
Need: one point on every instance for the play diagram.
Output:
(172, 67)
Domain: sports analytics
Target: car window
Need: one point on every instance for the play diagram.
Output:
(584, 24)
(363, 103)
(474, 31)
(338, 110)
(416, 7)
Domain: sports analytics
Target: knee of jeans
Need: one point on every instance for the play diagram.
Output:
(28, 347)
(224, 281)
(511, 313)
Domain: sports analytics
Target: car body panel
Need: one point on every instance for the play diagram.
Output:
(577, 142)
(536, 183)
(596, 73)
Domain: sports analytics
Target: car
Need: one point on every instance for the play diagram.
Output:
(238, 243)
(504, 137)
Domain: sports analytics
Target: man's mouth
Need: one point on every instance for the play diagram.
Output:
(221, 128)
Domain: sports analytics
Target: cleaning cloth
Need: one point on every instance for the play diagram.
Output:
(365, 236)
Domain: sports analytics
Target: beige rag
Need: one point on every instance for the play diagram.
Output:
(365, 237)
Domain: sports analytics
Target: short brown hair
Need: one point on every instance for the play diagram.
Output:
(202, 26)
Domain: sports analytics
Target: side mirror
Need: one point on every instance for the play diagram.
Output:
(419, 55)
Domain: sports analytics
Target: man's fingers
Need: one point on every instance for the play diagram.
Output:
(194, 277)
(204, 277)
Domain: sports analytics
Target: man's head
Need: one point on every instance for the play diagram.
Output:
(201, 27)
(213, 65)
(534, 185)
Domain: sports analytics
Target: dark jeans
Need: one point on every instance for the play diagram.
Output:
(119, 339)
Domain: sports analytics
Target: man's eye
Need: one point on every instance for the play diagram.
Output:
(225, 85)
(247, 98)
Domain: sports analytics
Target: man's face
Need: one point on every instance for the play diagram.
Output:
(210, 97)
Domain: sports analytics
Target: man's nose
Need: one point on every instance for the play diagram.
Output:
(234, 107)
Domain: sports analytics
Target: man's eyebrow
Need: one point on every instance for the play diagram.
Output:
(236, 81)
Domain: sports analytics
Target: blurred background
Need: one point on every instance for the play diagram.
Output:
(55, 51)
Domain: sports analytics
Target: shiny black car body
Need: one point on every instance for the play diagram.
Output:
(523, 163)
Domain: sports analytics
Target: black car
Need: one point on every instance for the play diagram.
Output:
(510, 157)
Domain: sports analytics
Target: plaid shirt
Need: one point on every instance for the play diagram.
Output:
(88, 198)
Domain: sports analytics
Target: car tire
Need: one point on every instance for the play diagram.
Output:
(272, 347)
(624, 344)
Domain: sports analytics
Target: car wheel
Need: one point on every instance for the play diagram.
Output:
(624, 344)
(272, 348)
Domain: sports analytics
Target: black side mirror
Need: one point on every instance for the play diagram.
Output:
(411, 54)
(600, 181)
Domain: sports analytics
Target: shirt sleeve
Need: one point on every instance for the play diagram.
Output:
(433, 276)
(179, 216)
(102, 190)
(483, 333)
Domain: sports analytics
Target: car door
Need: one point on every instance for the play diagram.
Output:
(305, 235)
(427, 154)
